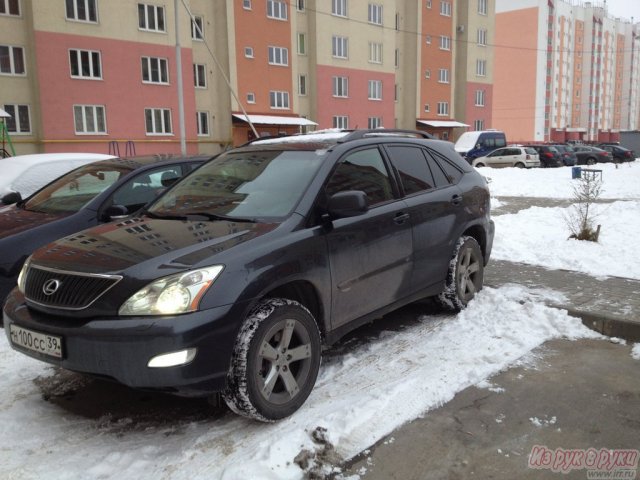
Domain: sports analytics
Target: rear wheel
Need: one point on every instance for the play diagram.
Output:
(591, 161)
(465, 275)
(479, 165)
(275, 361)
(519, 165)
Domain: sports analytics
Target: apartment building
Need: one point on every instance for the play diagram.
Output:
(564, 70)
(102, 75)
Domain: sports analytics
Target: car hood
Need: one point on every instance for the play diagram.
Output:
(171, 245)
(14, 220)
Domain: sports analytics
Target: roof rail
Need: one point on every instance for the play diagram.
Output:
(384, 132)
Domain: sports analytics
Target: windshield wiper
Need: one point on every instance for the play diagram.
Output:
(163, 217)
(217, 216)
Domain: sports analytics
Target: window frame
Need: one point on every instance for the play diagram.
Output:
(159, 61)
(251, 97)
(11, 49)
(480, 98)
(445, 42)
(94, 112)
(375, 53)
(156, 9)
(340, 86)
(445, 8)
(196, 35)
(280, 13)
(340, 121)
(78, 57)
(482, 37)
(200, 75)
(339, 8)
(443, 109)
(301, 45)
(200, 115)
(340, 47)
(164, 117)
(374, 91)
(248, 52)
(17, 116)
(375, 14)
(302, 84)
(482, 7)
(443, 75)
(278, 56)
(7, 9)
(481, 67)
(87, 3)
(374, 122)
(279, 100)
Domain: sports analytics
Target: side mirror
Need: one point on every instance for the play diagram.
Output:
(11, 198)
(116, 212)
(348, 204)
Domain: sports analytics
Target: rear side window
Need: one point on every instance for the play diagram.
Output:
(412, 167)
(362, 170)
(441, 166)
(530, 151)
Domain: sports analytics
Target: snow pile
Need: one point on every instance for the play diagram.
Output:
(360, 397)
(539, 236)
(635, 351)
(621, 182)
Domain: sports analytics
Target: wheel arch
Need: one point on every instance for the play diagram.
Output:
(305, 293)
(480, 235)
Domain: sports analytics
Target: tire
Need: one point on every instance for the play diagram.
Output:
(479, 165)
(591, 161)
(279, 341)
(519, 165)
(465, 275)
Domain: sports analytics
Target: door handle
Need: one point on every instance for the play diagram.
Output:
(456, 199)
(401, 217)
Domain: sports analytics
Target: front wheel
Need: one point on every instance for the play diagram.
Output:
(275, 361)
(465, 275)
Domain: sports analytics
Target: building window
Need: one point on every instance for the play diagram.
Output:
(300, 5)
(155, 70)
(375, 52)
(151, 18)
(427, 73)
(340, 47)
(482, 7)
(302, 85)
(278, 56)
(375, 14)
(203, 123)
(157, 121)
(197, 28)
(12, 60)
(445, 8)
(375, 89)
(302, 43)
(279, 100)
(200, 75)
(89, 119)
(427, 39)
(341, 121)
(10, 7)
(248, 52)
(80, 10)
(246, 4)
(339, 8)
(443, 75)
(374, 122)
(85, 64)
(251, 97)
(445, 42)
(427, 3)
(396, 58)
(341, 87)
(478, 125)
(427, 108)
(443, 108)
(277, 9)
(482, 37)
(397, 21)
(480, 98)
(481, 68)
(20, 120)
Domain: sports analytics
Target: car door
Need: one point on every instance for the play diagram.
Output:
(434, 204)
(496, 158)
(370, 254)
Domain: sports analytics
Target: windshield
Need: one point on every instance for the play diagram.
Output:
(466, 141)
(243, 185)
(72, 191)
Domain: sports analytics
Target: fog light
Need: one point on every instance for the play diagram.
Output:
(173, 359)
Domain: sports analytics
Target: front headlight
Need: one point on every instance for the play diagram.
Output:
(22, 277)
(171, 295)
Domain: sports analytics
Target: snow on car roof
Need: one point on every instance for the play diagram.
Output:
(318, 136)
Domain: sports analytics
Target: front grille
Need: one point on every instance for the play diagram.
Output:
(74, 291)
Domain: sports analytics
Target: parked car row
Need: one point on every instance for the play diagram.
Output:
(232, 278)
(553, 155)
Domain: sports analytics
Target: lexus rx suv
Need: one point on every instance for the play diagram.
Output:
(236, 276)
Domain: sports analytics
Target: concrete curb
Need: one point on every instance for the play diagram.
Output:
(609, 325)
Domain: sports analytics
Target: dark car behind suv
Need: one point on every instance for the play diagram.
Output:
(569, 157)
(549, 155)
(235, 277)
(589, 155)
(619, 153)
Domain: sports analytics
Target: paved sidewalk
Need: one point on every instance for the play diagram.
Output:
(609, 305)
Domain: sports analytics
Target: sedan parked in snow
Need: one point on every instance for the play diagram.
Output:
(90, 195)
(514, 156)
(619, 154)
(588, 155)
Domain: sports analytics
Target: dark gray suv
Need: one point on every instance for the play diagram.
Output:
(233, 279)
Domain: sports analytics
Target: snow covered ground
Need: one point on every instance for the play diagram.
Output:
(368, 386)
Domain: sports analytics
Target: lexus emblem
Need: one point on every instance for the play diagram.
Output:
(51, 286)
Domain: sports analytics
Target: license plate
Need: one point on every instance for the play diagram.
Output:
(36, 342)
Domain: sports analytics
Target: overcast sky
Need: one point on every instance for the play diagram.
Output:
(625, 9)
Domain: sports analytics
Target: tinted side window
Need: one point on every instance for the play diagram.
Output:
(500, 141)
(413, 169)
(362, 170)
(441, 166)
(143, 188)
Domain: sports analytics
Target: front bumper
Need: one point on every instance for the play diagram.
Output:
(120, 348)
